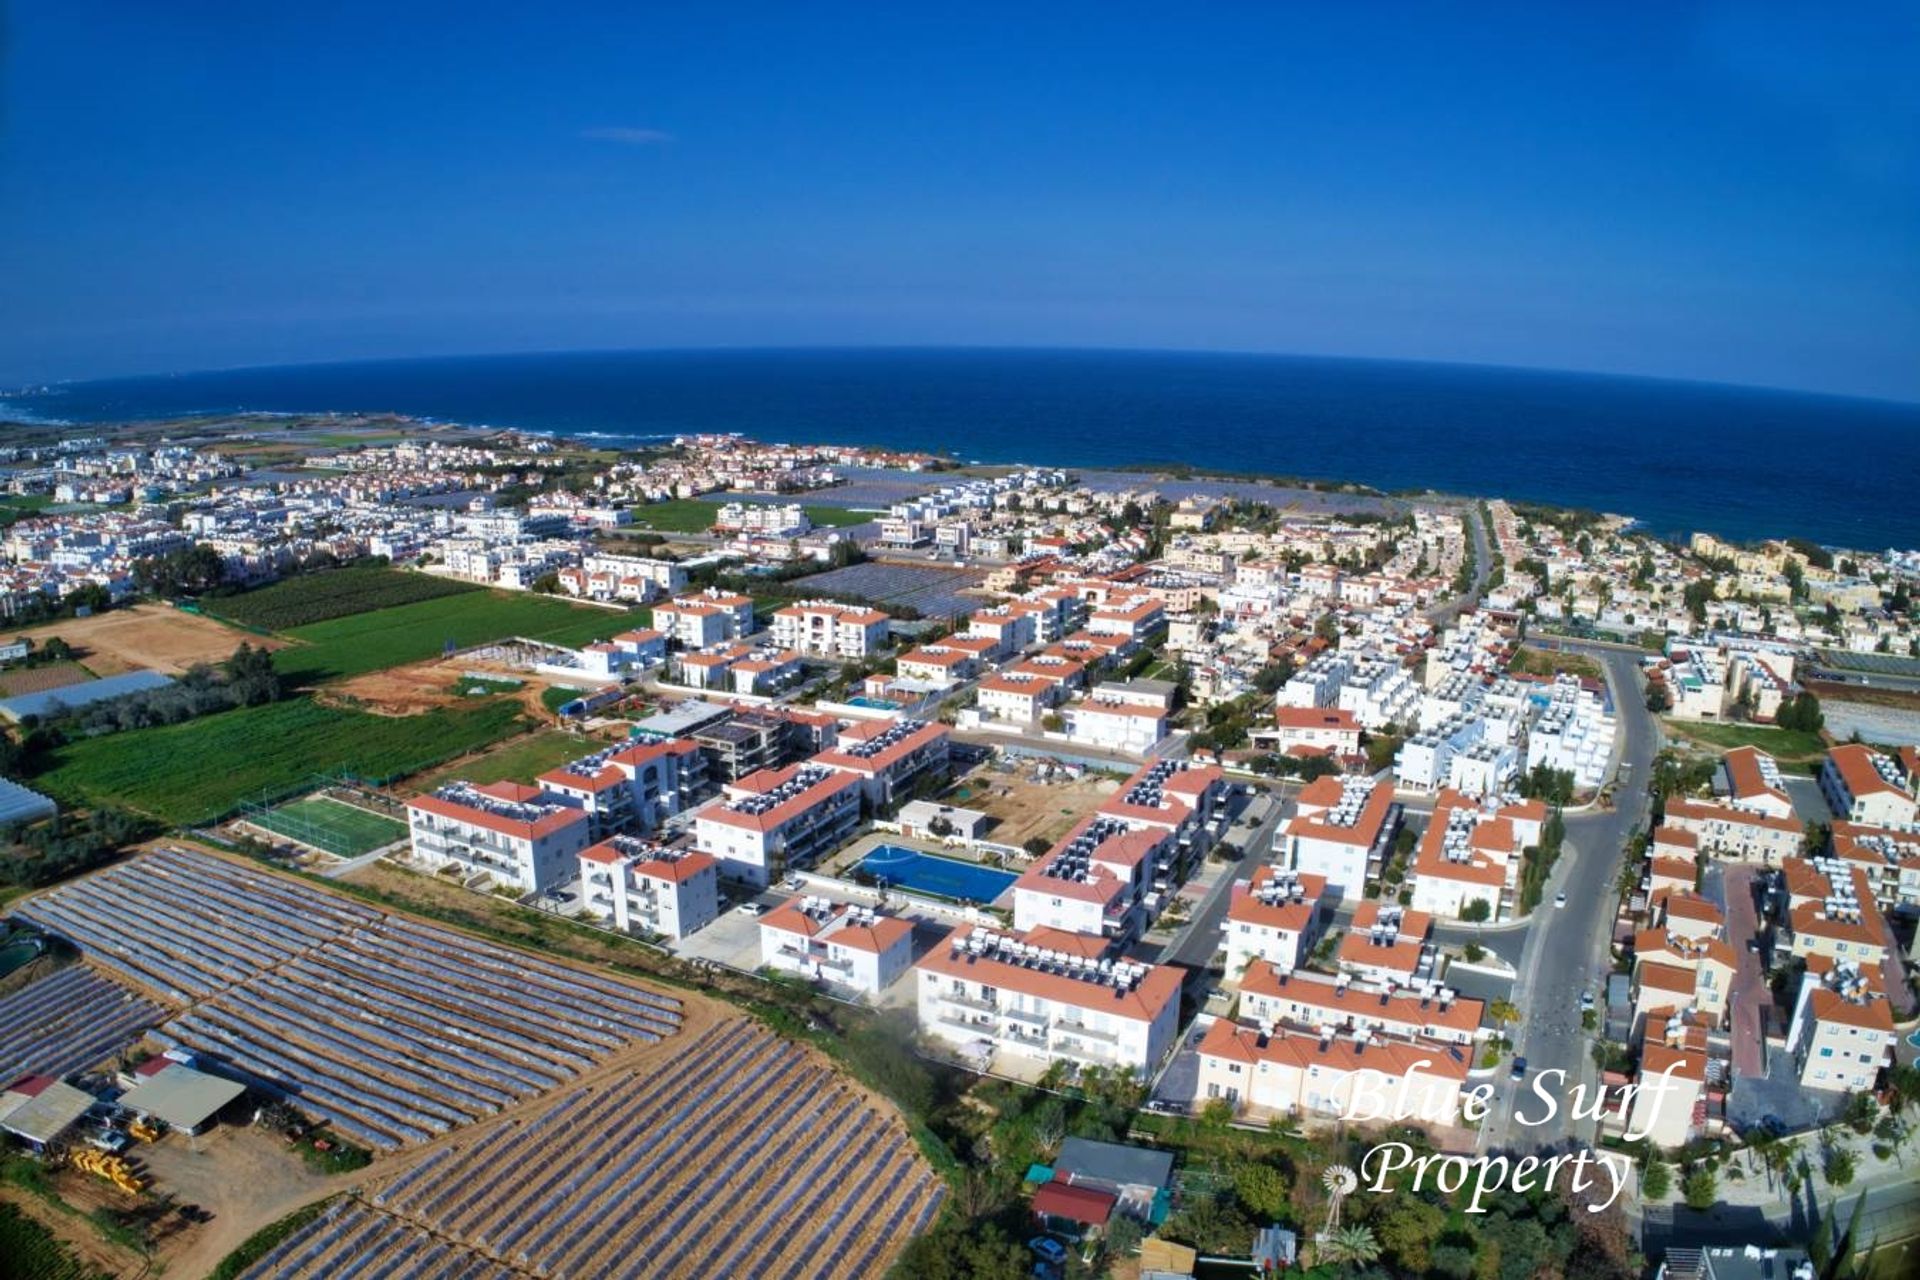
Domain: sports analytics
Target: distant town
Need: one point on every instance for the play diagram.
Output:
(433, 850)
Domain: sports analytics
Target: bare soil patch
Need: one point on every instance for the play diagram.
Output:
(55, 675)
(1024, 809)
(153, 636)
(419, 687)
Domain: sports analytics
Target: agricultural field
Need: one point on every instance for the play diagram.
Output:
(331, 826)
(31, 1252)
(69, 1022)
(364, 642)
(216, 762)
(54, 675)
(517, 761)
(322, 597)
(390, 1031)
(752, 1157)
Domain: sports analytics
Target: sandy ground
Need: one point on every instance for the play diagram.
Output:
(154, 636)
(420, 687)
(1025, 809)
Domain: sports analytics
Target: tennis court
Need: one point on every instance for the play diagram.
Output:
(331, 826)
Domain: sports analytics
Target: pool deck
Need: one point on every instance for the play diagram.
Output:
(843, 863)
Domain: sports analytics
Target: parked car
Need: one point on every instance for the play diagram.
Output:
(749, 908)
(1519, 1068)
(1047, 1249)
(1559, 900)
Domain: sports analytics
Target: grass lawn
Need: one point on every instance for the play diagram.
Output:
(1543, 662)
(338, 828)
(521, 760)
(838, 517)
(199, 770)
(1787, 744)
(365, 642)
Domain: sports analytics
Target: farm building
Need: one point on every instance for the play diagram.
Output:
(68, 697)
(178, 1096)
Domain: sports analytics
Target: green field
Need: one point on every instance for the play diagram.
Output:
(29, 1251)
(696, 515)
(521, 760)
(414, 632)
(330, 825)
(201, 769)
(1787, 744)
(339, 593)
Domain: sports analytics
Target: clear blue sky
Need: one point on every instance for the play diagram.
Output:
(1727, 192)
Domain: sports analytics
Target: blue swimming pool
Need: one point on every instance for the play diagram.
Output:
(929, 873)
(874, 704)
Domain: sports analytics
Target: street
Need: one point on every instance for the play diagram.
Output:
(1565, 951)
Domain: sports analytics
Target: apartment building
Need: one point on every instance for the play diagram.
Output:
(1738, 835)
(1868, 786)
(1008, 630)
(516, 834)
(891, 758)
(1330, 1077)
(1125, 727)
(1178, 797)
(1841, 1034)
(1709, 962)
(1274, 918)
(1750, 780)
(1389, 946)
(1136, 620)
(705, 619)
(1831, 912)
(1341, 831)
(646, 887)
(636, 579)
(831, 630)
(1048, 997)
(777, 819)
(849, 946)
(1472, 854)
(936, 666)
(1669, 1107)
(1093, 882)
(1309, 1002)
(1889, 859)
(1016, 699)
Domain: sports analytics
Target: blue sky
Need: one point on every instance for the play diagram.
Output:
(1725, 192)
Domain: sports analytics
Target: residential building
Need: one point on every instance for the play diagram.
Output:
(1270, 996)
(1388, 945)
(1049, 997)
(1868, 786)
(1737, 835)
(891, 758)
(847, 945)
(778, 819)
(1341, 831)
(1331, 1077)
(1274, 918)
(1125, 727)
(646, 887)
(1842, 1032)
(705, 618)
(516, 834)
(1668, 1107)
(1091, 883)
(831, 630)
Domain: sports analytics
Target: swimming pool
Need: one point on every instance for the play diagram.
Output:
(941, 877)
(874, 704)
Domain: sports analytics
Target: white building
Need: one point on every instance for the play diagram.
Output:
(1046, 998)
(518, 835)
(777, 819)
(1341, 831)
(1126, 727)
(831, 630)
(644, 886)
(849, 946)
(705, 618)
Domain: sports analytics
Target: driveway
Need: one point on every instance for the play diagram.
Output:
(1750, 1004)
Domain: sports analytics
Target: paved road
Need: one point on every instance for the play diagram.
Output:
(1482, 569)
(1195, 947)
(1565, 953)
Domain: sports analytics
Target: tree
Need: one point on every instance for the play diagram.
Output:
(1408, 1230)
(1475, 912)
(1839, 1167)
(1860, 1113)
(1656, 1180)
(1700, 1189)
(1503, 1013)
(1658, 700)
(1262, 1189)
(1351, 1246)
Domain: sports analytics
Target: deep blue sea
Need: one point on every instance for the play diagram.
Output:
(1738, 462)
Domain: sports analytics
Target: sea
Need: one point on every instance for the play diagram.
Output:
(1739, 462)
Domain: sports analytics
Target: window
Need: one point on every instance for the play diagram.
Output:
(1826, 1053)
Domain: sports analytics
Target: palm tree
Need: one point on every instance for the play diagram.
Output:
(1503, 1012)
(1353, 1247)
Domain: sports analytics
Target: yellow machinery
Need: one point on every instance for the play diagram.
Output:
(112, 1168)
(144, 1131)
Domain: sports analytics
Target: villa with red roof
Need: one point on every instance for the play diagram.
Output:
(1340, 831)
(1328, 1077)
(1273, 918)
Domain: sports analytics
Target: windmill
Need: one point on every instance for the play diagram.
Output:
(1340, 1183)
